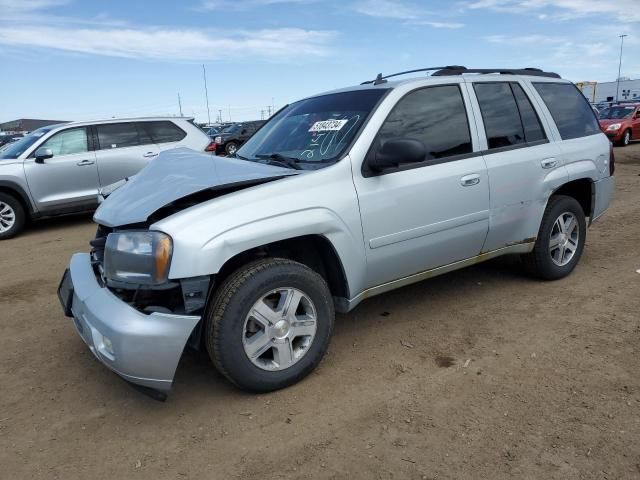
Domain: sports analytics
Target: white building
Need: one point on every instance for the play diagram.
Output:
(606, 91)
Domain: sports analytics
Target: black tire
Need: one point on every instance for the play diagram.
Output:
(19, 215)
(230, 306)
(231, 148)
(626, 138)
(539, 262)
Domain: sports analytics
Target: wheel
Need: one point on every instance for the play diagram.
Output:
(560, 240)
(231, 148)
(270, 324)
(626, 138)
(12, 216)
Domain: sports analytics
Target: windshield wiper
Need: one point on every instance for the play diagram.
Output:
(289, 162)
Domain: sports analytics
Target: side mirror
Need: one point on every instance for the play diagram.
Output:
(42, 154)
(398, 151)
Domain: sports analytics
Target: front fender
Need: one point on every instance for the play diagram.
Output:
(208, 258)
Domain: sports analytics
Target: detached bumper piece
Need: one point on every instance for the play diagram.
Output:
(144, 349)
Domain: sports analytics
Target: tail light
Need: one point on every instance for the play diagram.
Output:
(612, 160)
(211, 147)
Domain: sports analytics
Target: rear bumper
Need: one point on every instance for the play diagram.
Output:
(142, 348)
(604, 190)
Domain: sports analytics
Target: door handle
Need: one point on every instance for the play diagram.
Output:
(470, 180)
(150, 155)
(84, 163)
(549, 163)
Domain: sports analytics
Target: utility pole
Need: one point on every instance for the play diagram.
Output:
(179, 104)
(220, 116)
(206, 92)
(620, 65)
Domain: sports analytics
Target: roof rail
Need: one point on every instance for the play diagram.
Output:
(535, 72)
(380, 79)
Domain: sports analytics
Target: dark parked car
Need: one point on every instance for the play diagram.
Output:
(230, 139)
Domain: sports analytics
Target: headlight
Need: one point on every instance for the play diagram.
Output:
(218, 140)
(138, 257)
(614, 126)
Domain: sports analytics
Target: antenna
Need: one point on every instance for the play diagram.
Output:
(180, 104)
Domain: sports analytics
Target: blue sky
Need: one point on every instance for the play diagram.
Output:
(77, 60)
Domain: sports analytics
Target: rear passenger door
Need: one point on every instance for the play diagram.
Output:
(522, 162)
(123, 150)
(420, 216)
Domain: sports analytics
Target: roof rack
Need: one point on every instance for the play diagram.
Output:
(459, 70)
(380, 79)
(535, 72)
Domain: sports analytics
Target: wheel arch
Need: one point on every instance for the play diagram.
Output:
(19, 193)
(583, 190)
(315, 251)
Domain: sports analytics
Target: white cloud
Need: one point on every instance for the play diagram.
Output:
(623, 10)
(245, 4)
(171, 44)
(398, 10)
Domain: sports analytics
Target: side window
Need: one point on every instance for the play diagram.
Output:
(533, 131)
(500, 114)
(569, 108)
(164, 131)
(118, 135)
(434, 115)
(68, 142)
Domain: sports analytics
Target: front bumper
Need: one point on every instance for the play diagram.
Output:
(142, 348)
(615, 135)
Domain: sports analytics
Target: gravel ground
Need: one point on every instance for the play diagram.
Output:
(482, 373)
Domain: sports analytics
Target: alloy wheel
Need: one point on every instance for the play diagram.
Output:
(564, 239)
(7, 217)
(279, 329)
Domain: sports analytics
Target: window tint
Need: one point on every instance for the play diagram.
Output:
(118, 135)
(436, 116)
(163, 132)
(569, 109)
(533, 131)
(68, 142)
(500, 114)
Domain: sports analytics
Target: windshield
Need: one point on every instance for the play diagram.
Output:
(15, 149)
(616, 113)
(313, 132)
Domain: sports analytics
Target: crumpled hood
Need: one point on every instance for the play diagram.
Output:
(175, 174)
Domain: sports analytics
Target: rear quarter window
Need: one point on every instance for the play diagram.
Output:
(164, 131)
(570, 110)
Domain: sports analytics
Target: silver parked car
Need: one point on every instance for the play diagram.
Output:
(59, 169)
(339, 197)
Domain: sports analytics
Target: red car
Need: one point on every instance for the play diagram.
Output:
(621, 123)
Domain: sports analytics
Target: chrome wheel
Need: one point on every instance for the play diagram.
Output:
(564, 239)
(7, 217)
(279, 329)
(627, 138)
(232, 149)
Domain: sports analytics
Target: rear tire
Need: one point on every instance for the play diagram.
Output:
(231, 148)
(12, 216)
(279, 346)
(560, 240)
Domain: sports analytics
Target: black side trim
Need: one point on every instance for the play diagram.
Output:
(514, 147)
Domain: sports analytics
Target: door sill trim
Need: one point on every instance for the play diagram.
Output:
(521, 247)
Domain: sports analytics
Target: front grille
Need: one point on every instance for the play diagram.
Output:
(98, 244)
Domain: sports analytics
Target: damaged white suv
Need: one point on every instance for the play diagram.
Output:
(339, 197)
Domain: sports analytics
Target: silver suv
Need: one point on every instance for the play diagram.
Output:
(339, 197)
(59, 169)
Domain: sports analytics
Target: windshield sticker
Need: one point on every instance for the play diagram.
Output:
(328, 125)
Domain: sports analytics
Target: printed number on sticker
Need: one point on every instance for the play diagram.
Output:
(328, 125)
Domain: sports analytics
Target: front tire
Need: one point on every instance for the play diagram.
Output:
(626, 138)
(560, 240)
(270, 324)
(12, 216)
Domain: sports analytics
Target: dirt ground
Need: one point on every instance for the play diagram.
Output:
(482, 373)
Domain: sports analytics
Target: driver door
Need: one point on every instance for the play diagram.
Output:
(68, 181)
(429, 214)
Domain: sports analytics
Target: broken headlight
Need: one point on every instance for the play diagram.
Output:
(141, 258)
